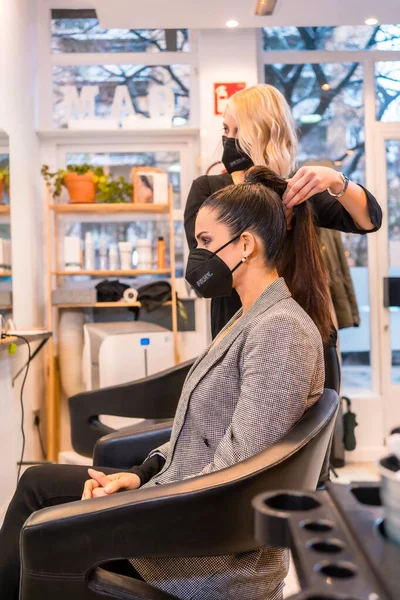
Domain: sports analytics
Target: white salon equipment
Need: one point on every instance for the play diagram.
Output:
(120, 352)
(125, 255)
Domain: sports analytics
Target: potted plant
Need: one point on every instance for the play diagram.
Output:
(4, 181)
(113, 191)
(80, 181)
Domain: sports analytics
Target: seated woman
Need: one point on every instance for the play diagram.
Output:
(244, 393)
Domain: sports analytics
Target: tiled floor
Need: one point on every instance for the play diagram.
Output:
(351, 472)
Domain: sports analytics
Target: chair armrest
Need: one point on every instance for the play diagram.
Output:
(154, 397)
(131, 445)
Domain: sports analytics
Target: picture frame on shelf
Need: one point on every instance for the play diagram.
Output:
(150, 185)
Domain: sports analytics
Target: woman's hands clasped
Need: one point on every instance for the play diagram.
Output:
(105, 485)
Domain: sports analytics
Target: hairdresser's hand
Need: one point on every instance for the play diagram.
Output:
(309, 181)
(104, 485)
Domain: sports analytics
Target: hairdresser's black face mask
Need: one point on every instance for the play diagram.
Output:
(208, 274)
(233, 158)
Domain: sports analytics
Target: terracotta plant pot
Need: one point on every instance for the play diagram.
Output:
(81, 188)
(2, 186)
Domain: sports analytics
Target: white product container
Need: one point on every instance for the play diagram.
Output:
(144, 255)
(125, 255)
(90, 256)
(113, 258)
(72, 253)
(103, 254)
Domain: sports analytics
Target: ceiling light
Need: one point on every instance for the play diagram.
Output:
(349, 152)
(338, 163)
(307, 119)
(265, 7)
(232, 23)
(326, 87)
(371, 21)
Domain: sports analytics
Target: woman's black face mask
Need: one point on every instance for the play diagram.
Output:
(208, 274)
(233, 158)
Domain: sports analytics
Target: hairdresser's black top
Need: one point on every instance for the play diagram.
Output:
(329, 213)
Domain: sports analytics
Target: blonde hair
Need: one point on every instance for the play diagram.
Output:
(266, 129)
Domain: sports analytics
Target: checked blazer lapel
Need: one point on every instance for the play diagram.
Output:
(274, 293)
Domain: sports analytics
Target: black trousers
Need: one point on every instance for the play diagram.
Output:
(38, 488)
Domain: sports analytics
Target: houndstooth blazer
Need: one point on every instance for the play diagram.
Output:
(240, 397)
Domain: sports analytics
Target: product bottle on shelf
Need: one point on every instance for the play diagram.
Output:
(90, 256)
(113, 258)
(103, 254)
(72, 253)
(144, 256)
(125, 255)
(161, 253)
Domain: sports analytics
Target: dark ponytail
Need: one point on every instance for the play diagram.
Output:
(257, 206)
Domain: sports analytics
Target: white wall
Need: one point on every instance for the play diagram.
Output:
(224, 56)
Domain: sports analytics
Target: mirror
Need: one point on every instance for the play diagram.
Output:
(5, 230)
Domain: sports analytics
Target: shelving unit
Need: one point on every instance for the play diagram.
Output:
(107, 209)
(108, 273)
(57, 274)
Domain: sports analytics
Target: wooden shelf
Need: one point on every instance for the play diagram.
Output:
(5, 306)
(5, 274)
(5, 209)
(105, 305)
(119, 273)
(33, 337)
(107, 209)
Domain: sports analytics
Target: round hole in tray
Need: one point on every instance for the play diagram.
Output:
(337, 570)
(292, 502)
(326, 546)
(320, 525)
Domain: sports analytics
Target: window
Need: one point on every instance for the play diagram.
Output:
(387, 89)
(328, 106)
(330, 121)
(143, 83)
(346, 37)
(78, 31)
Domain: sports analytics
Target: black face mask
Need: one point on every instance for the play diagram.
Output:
(233, 158)
(208, 274)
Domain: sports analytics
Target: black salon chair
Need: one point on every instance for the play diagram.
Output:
(63, 548)
(154, 399)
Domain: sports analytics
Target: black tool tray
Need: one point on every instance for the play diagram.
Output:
(338, 541)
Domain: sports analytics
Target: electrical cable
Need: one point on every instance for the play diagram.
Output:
(22, 397)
